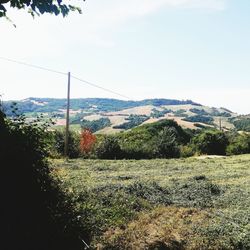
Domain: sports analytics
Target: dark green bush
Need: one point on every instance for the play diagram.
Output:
(108, 148)
(36, 212)
(240, 144)
(166, 144)
(211, 142)
(58, 143)
(156, 140)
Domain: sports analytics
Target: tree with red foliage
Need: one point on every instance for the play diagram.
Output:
(87, 141)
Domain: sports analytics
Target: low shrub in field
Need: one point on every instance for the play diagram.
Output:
(211, 142)
(58, 143)
(187, 150)
(108, 148)
(240, 144)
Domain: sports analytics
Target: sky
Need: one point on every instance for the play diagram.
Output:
(174, 49)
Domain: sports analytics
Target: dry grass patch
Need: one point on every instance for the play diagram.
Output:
(163, 228)
(162, 204)
(141, 110)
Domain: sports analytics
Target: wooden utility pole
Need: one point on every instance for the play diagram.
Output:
(66, 146)
(220, 124)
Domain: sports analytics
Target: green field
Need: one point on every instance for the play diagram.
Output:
(195, 203)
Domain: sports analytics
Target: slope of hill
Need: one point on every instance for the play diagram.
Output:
(33, 104)
(122, 115)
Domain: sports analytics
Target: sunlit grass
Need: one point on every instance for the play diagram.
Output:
(119, 196)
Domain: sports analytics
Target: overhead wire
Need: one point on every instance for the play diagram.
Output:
(99, 87)
(63, 73)
(33, 66)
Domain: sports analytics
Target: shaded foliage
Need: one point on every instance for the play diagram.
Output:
(58, 144)
(239, 144)
(211, 142)
(108, 148)
(37, 213)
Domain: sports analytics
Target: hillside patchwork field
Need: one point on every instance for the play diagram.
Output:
(108, 116)
(194, 203)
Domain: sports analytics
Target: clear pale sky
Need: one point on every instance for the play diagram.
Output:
(180, 49)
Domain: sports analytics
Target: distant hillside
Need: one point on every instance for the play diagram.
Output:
(88, 104)
(103, 115)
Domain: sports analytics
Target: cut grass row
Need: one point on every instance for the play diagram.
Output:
(162, 204)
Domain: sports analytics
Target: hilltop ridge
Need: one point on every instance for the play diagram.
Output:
(104, 115)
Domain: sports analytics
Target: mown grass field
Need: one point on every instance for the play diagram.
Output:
(162, 204)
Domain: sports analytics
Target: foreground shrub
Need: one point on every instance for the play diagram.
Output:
(37, 213)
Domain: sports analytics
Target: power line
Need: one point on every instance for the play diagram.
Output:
(99, 87)
(63, 73)
(32, 65)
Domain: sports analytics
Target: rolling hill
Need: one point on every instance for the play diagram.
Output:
(112, 115)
